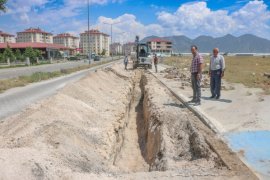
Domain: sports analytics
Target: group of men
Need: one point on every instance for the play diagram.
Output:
(216, 72)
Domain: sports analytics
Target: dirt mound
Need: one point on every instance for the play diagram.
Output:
(113, 124)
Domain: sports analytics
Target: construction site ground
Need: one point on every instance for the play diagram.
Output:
(114, 124)
(241, 116)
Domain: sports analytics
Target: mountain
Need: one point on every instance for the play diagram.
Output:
(247, 43)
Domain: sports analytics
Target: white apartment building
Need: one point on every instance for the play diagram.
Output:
(66, 40)
(128, 48)
(6, 38)
(34, 35)
(99, 42)
(116, 49)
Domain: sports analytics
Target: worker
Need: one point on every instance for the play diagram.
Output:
(196, 74)
(143, 52)
(126, 62)
(216, 72)
(156, 62)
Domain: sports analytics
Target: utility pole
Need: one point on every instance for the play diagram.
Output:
(88, 34)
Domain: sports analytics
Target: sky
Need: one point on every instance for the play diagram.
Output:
(141, 17)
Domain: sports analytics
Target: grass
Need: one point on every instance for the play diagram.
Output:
(40, 76)
(247, 70)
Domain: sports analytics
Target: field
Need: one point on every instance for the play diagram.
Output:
(246, 70)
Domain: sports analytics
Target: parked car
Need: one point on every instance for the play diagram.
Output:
(97, 58)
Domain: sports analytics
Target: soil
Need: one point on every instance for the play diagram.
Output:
(113, 124)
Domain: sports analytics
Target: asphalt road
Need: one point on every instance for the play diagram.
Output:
(17, 99)
(26, 71)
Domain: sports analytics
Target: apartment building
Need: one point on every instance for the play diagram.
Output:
(160, 46)
(35, 35)
(6, 38)
(128, 48)
(116, 49)
(99, 42)
(66, 40)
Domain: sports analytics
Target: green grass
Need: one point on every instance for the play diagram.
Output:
(246, 70)
(41, 76)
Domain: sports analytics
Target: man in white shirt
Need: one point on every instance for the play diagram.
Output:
(216, 72)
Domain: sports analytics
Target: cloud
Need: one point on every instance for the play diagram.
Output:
(194, 19)
(190, 19)
(126, 27)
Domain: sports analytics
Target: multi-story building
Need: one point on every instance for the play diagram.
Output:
(128, 48)
(34, 35)
(116, 49)
(66, 40)
(6, 38)
(160, 46)
(99, 42)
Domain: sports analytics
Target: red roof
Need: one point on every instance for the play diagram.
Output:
(159, 40)
(35, 30)
(65, 35)
(23, 45)
(6, 34)
(94, 31)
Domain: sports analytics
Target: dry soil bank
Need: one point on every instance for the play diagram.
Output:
(113, 124)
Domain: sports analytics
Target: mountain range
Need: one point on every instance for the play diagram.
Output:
(247, 43)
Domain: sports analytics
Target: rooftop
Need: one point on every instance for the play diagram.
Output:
(159, 40)
(23, 45)
(6, 34)
(35, 30)
(66, 35)
(94, 31)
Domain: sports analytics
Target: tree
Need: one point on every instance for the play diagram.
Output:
(2, 59)
(3, 5)
(30, 53)
(38, 53)
(103, 52)
(18, 55)
(8, 53)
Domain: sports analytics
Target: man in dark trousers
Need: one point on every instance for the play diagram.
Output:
(156, 62)
(216, 72)
(196, 75)
(126, 62)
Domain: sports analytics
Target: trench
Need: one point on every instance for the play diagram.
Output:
(131, 157)
(151, 141)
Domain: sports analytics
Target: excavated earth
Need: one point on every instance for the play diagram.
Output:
(113, 124)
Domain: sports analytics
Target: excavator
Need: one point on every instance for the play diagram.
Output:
(142, 57)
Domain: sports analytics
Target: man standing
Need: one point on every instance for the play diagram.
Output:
(196, 74)
(126, 62)
(156, 62)
(216, 72)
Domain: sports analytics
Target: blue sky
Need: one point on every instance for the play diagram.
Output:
(142, 17)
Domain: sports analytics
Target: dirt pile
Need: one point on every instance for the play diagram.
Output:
(113, 124)
(183, 75)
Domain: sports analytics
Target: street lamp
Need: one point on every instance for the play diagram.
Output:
(111, 24)
(88, 34)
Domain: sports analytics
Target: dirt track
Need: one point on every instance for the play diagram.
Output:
(113, 124)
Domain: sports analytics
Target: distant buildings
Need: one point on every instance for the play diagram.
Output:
(65, 43)
(34, 35)
(160, 46)
(6, 38)
(116, 49)
(128, 48)
(99, 42)
(66, 40)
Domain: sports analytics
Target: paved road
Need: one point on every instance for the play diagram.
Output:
(26, 71)
(15, 100)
